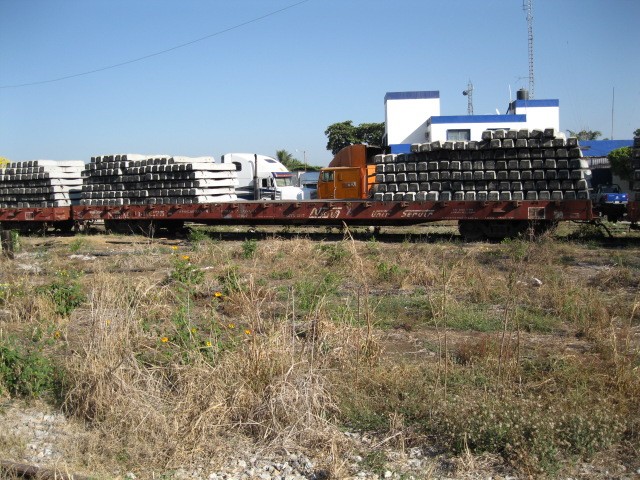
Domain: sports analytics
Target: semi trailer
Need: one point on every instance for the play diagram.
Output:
(262, 177)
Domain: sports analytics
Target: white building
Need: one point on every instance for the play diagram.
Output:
(406, 115)
(414, 117)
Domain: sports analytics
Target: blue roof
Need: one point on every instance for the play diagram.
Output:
(411, 95)
(478, 118)
(601, 148)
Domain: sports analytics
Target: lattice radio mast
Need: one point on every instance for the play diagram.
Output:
(527, 6)
(469, 94)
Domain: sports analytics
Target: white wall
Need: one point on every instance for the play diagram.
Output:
(406, 115)
(540, 117)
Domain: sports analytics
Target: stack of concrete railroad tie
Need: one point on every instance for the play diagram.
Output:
(113, 180)
(635, 158)
(41, 184)
(505, 165)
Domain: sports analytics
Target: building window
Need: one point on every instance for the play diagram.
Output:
(458, 135)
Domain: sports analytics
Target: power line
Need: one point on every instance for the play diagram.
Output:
(161, 52)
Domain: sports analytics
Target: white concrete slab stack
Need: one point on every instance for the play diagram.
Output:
(131, 179)
(505, 165)
(41, 184)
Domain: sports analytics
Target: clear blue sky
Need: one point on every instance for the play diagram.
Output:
(277, 83)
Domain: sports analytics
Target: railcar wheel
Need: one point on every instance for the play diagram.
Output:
(171, 226)
(472, 230)
(64, 227)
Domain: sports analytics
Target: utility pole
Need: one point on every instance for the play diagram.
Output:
(527, 6)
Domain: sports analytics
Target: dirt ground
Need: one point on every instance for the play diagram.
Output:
(380, 288)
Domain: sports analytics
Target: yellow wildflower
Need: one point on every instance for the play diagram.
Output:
(174, 248)
(193, 330)
(217, 294)
(185, 258)
(164, 339)
(207, 343)
(56, 334)
(232, 325)
(247, 331)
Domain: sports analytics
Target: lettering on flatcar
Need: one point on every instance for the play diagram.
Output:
(324, 212)
(157, 213)
(416, 213)
(380, 214)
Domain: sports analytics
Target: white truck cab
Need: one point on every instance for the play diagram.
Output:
(262, 178)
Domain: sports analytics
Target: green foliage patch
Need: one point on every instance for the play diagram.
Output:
(65, 292)
(23, 372)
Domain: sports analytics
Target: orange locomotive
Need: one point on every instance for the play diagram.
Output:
(350, 175)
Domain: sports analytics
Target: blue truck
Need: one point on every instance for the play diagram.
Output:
(610, 201)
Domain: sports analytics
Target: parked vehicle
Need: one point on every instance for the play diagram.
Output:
(262, 177)
(611, 201)
(308, 181)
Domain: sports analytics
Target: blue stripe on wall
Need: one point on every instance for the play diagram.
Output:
(537, 103)
(411, 95)
(478, 119)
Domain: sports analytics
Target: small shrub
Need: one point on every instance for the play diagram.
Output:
(249, 248)
(388, 271)
(185, 272)
(65, 292)
(334, 253)
(476, 349)
(77, 244)
(5, 292)
(282, 275)
(25, 373)
(231, 281)
(197, 236)
(310, 292)
(375, 461)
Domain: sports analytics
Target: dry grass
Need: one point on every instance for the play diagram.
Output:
(169, 401)
(286, 341)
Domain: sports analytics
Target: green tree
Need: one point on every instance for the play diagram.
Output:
(621, 164)
(585, 134)
(370, 133)
(340, 135)
(292, 163)
(343, 134)
(636, 132)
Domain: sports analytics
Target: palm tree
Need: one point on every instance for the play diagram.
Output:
(286, 158)
(585, 134)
